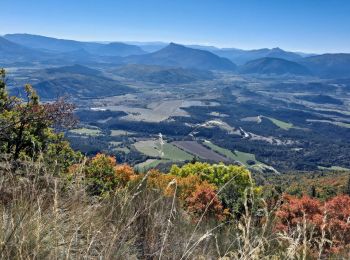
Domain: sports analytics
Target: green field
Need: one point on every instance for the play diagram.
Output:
(169, 151)
(148, 164)
(279, 123)
(120, 133)
(122, 149)
(241, 157)
(236, 155)
(86, 131)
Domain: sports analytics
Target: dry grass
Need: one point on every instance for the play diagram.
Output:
(45, 217)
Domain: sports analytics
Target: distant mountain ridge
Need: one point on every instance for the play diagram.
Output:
(61, 45)
(329, 65)
(28, 50)
(273, 66)
(240, 56)
(176, 55)
(10, 51)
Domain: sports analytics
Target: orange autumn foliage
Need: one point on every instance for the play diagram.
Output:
(332, 216)
(124, 173)
(204, 201)
(168, 183)
(294, 210)
(104, 174)
(194, 194)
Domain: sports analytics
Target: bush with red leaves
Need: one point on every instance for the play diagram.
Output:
(333, 217)
(337, 211)
(293, 211)
(204, 201)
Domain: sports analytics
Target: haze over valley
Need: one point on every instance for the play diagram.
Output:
(272, 110)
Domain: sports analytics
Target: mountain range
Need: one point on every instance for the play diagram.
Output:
(275, 66)
(54, 45)
(241, 57)
(26, 49)
(176, 55)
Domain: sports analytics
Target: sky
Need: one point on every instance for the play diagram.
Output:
(315, 26)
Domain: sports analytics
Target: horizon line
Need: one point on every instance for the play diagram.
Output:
(203, 44)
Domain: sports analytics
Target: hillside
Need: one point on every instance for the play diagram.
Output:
(63, 46)
(273, 66)
(80, 86)
(43, 42)
(74, 69)
(329, 65)
(161, 75)
(75, 81)
(12, 52)
(114, 49)
(175, 55)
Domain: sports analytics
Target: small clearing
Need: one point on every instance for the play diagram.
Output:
(281, 124)
(201, 151)
(86, 131)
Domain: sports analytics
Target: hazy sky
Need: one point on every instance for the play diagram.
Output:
(299, 25)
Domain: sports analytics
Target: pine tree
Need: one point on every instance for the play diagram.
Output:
(312, 192)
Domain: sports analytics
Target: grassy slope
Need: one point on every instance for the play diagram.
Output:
(279, 123)
(237, 155)
(148, 164)
(169, 151)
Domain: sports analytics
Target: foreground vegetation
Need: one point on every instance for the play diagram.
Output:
(55, 203)
(101, 209)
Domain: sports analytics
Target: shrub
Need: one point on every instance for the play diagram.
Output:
(204, 201)
(103, 174)
(232, 181)
(294, 210)
(194, 195)
(329, 221)
(337, 211)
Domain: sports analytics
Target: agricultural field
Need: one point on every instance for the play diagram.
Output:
(86, 131)
(153, 148)
(254, 119)
(281, 124)
(247, 159)
(155, 111)
(121, 133)
(241, 157)
(235, 112)
(200, 151)
(148, 164)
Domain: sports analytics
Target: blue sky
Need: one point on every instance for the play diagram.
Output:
(298, 25)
